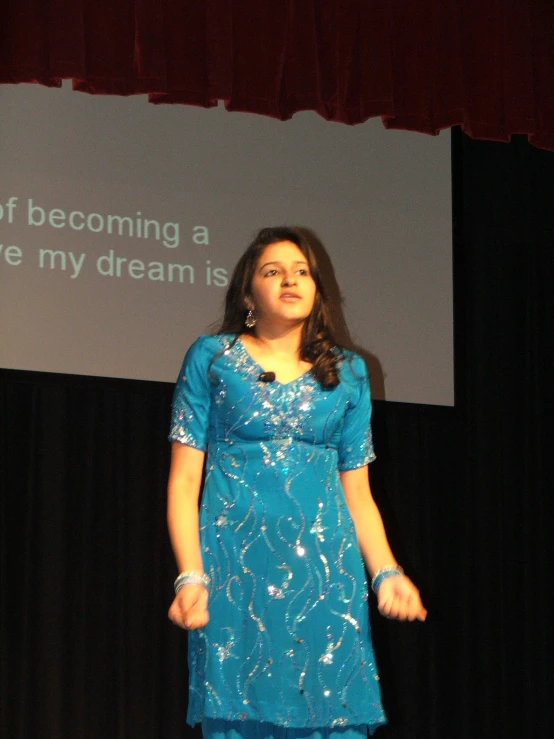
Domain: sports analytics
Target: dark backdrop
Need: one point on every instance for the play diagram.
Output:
(466, 493)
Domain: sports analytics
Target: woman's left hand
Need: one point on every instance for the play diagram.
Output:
(399, 598)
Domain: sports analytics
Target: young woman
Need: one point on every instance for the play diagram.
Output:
(272, 586)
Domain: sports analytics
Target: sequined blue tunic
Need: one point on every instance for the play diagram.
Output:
(288, 641)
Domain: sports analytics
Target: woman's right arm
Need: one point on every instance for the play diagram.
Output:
(189, 608)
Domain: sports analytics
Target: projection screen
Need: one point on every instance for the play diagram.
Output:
(120, 223)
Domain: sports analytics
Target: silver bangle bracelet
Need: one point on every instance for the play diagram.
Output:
(383, 574)
(191, 577)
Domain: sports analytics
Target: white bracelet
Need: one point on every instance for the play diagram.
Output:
(191, 577)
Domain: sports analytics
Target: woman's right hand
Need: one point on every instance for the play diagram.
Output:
(189, 609)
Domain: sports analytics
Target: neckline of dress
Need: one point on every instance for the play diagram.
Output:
(242, 346)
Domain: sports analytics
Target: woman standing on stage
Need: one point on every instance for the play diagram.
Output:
(272, 587)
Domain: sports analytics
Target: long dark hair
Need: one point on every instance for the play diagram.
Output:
(318, 343)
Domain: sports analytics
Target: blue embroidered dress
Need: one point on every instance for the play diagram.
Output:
(288, 641)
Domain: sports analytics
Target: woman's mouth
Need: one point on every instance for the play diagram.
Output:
(290, 296)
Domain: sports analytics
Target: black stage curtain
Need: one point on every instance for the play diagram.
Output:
(466, 493)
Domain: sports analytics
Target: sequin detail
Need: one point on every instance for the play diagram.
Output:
(288, 637)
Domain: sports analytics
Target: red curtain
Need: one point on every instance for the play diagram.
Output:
(422, 65)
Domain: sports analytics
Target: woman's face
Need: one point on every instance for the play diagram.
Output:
(283, 290)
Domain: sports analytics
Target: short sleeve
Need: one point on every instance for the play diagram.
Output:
(356, 444)
(191, 398)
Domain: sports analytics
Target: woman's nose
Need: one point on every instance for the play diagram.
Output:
(288, 280)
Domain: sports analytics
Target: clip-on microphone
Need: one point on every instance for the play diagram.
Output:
(266, 377)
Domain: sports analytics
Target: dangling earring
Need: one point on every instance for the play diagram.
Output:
(250, 320)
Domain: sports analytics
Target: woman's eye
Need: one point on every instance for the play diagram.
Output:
(303, 271)
(270, 272)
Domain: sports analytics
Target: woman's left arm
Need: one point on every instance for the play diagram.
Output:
(397, 596)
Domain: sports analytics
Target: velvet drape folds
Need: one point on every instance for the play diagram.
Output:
(422, 65)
